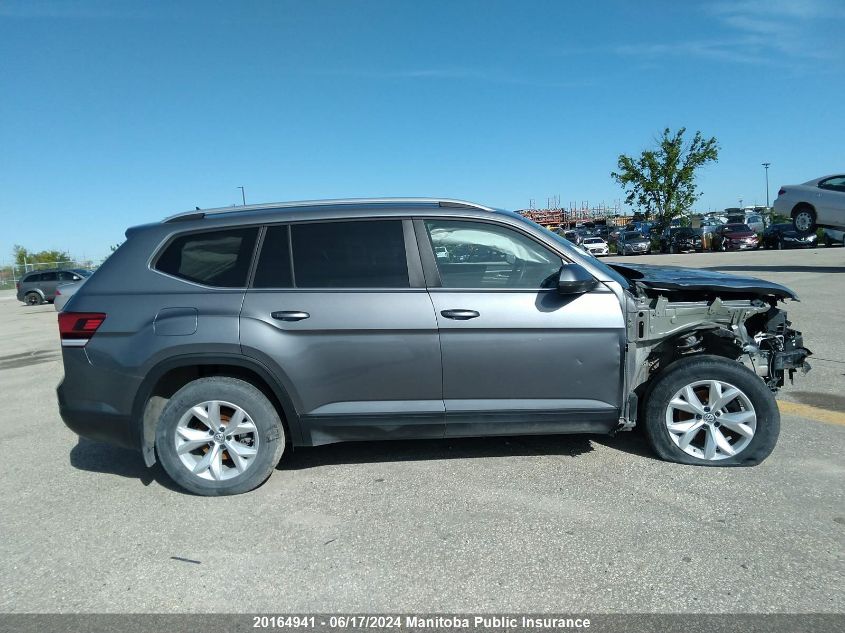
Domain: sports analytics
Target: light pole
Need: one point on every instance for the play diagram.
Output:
(766, 165)
(243, 195)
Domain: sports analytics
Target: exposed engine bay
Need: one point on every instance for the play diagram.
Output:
(681, 312)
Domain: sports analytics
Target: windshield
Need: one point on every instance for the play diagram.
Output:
(738, 228)
(633, 235)
(593, 240)
(574, 253)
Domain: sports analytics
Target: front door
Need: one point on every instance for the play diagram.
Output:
(344, 320)
(518, 357)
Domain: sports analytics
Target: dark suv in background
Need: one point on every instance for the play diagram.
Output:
(216, 340)
(37, 287)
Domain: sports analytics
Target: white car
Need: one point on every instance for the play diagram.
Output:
(819, 202)
(595, 246)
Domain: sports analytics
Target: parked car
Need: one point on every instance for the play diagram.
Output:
(833, 237)
(633, 243)
(782, 236)
(816, 203)
(39, 286)
(596, 246)
(680, 240)
(734, 237)
(64, 292)
(216, 341)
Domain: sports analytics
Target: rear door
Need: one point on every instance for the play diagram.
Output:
(48, 284)
(831, 201)
(339, 310)
(517, 356)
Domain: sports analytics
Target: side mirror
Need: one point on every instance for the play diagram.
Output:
(573, 279)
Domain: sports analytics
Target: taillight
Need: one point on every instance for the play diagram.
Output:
(58, 292)
(76, 328)
(781, 191)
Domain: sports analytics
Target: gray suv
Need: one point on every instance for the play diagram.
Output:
(217, 340)
(39, 286)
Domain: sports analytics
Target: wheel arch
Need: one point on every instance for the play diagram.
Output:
(170, 375)
(801, 205)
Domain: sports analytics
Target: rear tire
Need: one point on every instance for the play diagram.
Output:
(804, 219)
(200, 450)
(736, 431)
(33, 299)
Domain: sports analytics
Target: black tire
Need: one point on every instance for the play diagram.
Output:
(33, 299)
(805, 215)
(708, 367)
(269, 427)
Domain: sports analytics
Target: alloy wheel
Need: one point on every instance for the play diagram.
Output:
(216, 440)
(711, 420)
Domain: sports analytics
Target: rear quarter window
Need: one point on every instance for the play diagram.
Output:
(211, 258)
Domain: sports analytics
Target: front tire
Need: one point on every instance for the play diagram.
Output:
(707, 410)
(219, 436)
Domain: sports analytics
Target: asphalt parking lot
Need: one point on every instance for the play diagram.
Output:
(563, 524)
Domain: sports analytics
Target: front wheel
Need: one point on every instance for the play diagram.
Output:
(711, 411)
(219, 436)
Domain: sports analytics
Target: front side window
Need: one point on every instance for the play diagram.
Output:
(482, 255)
(350, 254)
(49, 276)
(212, 258)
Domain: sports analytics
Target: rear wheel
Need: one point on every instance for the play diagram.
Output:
(804, 219)
(219, 436)
(711, 411)
(33, 299)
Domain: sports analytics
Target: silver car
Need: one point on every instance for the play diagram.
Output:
(64, 292)
(216, 341)
(816, 203)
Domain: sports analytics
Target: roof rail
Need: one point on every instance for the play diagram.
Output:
(441, 202)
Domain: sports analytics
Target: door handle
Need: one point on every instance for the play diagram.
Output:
(460, 315)
(289, 315)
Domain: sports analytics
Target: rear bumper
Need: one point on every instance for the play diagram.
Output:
(96, 402)
(97, 421)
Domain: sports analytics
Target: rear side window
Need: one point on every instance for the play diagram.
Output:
(273, 269)
(32, 278)
(357, 254)
(49, 276)
(213, 258)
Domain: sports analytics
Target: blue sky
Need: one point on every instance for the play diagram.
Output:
(119, 113)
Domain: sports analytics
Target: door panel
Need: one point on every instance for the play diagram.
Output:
(531, 362)
(519, 357)
(362, 365)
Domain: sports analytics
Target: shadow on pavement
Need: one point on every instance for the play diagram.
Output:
(830, 401)
(778, 269)
(97, 457)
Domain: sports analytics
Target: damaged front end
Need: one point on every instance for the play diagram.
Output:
(670, 317)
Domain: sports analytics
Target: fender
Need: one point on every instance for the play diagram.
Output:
(201, 359)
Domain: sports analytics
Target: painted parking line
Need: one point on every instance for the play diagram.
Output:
(814, 413)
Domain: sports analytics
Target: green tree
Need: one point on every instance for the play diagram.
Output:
(662, 180)
(25, 256)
